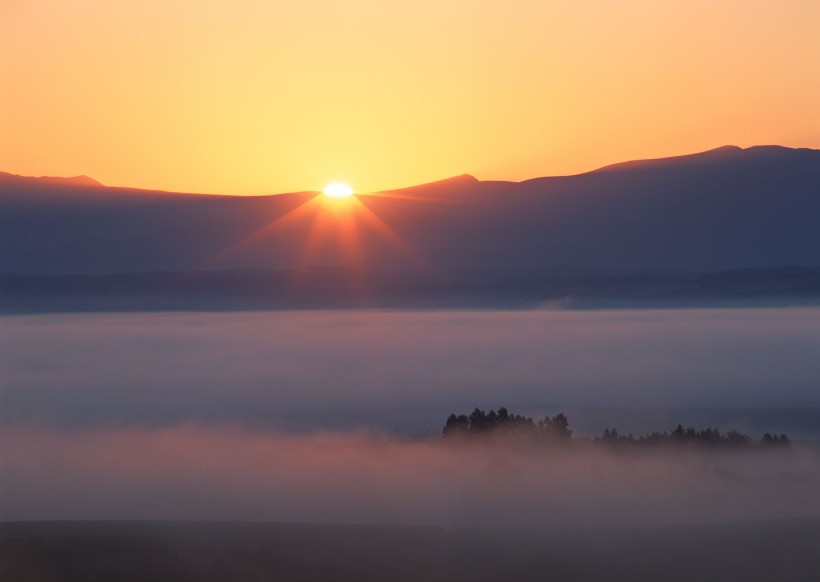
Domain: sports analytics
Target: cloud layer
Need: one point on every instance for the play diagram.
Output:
(255, 415)
(405, 370)
(194, 472)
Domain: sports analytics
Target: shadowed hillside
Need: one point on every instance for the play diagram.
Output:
(723, 209)
(725, 226)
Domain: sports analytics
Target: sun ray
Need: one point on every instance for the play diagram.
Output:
(380, 227)
(334, 222)
(331, 231)
(305, 211)
(314, 241)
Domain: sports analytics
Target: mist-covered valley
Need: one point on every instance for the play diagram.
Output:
(237, 373)
(337, 416)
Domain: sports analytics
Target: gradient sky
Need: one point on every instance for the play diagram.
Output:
(258, 96)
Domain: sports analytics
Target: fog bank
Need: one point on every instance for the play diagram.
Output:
(226, 473)
(402, 370)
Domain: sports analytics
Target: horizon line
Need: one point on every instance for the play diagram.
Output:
(84, 179)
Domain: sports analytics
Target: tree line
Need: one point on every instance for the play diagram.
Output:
(555, 429)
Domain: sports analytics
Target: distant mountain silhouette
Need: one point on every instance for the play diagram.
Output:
(717, 154)
(13, 180)
(722, 210)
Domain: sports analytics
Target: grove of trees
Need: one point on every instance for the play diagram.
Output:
(555, 429)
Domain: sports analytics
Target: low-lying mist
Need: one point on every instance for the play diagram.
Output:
(308, 416)
(402, 370)
(227, 473)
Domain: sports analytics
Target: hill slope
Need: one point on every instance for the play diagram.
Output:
(727, 225)
(723, 209)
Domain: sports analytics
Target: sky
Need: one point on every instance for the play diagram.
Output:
(258, 96)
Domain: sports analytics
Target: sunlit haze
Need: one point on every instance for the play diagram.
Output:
(262, 97)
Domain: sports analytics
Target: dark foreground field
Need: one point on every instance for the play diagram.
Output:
(89, 551)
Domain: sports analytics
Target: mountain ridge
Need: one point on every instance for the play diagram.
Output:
(465, 179)
(725, 209)
(82, 180)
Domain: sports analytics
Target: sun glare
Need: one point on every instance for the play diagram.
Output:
(338, 190)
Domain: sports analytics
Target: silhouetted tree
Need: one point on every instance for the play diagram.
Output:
(556, 427)
(556, 430)
(609, 436)
(770, 440)
(737, 439)
(503, 416)
(478, 421)
(456, 425)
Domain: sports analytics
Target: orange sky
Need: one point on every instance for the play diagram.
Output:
(261, 96)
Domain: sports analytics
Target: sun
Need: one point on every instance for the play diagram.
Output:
(338, 190)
